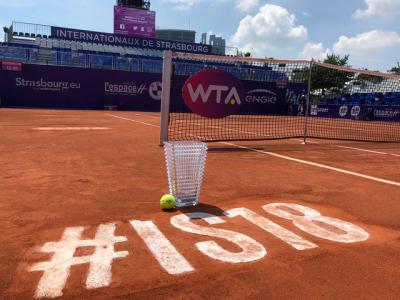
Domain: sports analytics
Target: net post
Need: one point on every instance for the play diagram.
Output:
(307, 103)
(165, 96)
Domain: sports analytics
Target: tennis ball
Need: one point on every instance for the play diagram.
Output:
(167, 202)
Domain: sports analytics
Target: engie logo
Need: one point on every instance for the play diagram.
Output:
(261, 96)
(213, 93)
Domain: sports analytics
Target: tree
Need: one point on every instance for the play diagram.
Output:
(395, 70)
(244, 54)
(325, 78)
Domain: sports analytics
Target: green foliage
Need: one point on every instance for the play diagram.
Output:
(337, 60)
(323, 78)
(395, 70)
(244, 54)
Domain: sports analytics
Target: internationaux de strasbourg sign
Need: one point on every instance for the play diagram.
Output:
(127, 41)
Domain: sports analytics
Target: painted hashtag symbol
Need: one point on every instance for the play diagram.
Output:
(56, 271)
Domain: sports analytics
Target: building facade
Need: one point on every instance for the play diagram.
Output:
(218, 43)
(179, 35)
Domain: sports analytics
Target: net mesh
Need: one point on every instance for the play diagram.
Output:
(351, 104)
(344, 103)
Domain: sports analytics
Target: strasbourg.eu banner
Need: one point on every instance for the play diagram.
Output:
(134, 22)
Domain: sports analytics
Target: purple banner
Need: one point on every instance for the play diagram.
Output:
(134, 22)
(65, 87)
(127, 41)
(259, 97)
(68, 87)
(357, 112)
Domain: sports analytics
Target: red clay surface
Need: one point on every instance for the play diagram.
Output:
(51, 180)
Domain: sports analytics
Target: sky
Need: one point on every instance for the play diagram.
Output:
(367, 30)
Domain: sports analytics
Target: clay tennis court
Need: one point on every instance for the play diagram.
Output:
(77, 174)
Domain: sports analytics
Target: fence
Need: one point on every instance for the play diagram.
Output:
(83, 59)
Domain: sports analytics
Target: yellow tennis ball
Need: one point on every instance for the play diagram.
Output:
(167, 202)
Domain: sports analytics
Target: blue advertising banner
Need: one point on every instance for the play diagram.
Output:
(127, 41)
(67, 87)
(357, 112)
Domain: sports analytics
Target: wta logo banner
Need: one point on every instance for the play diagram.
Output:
(213, 94)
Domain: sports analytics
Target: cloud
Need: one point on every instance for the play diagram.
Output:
(315, 51)
(383, 8)
(367, 43)
(246, 5)
(188, 4)
(183, 4)
(270, 31)
(374, 49)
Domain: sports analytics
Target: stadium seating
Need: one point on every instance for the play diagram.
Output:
(41, 49)
(14, 53)
(375, 98)
(62, 56)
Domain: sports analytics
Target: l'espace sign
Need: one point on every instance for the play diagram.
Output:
(213, 94)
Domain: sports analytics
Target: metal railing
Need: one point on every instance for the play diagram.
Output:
(36, 55)
(22, 28)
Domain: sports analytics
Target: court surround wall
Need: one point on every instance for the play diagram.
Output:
(42, 86)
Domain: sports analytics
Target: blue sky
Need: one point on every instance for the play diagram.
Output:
(368, 30)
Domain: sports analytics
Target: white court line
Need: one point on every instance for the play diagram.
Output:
(131, 120)
(310, 163)
(302, 141)
(226, 129)
(69, 128)
(305, 162)
(148, 116)
(196, 124)
(357, 149)
(365, 150)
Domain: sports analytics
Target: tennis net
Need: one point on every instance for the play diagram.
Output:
(276, 99)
